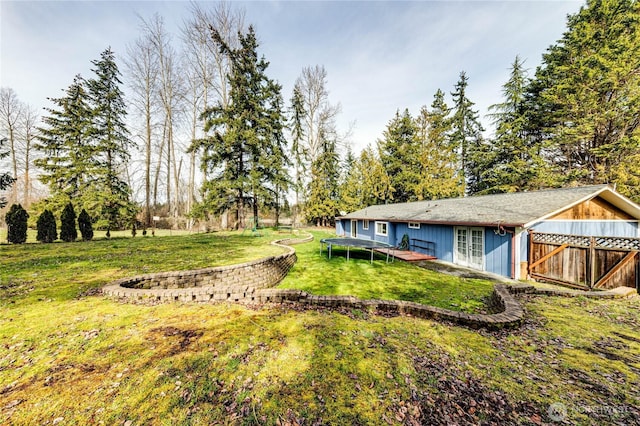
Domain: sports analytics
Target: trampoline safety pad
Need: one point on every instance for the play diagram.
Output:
(354, 242)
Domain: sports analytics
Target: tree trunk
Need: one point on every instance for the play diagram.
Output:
(255, 212)
(168, 142)
(156, 182)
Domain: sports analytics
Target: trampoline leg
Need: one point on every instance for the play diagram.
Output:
(372, 256)
(387, 256)
(347, 253)
(329, 250)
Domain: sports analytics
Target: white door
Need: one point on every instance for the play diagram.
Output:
(354, 229)
(469, 247)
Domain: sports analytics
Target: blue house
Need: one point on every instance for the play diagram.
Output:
(490, 232)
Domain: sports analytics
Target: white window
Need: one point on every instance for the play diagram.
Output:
(414, 225)
(381, 228)
(365, 225)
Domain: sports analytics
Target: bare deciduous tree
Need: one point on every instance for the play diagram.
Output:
(28, 127)
(170, 96)
(142, 72)
(11, 110)
(318, 114)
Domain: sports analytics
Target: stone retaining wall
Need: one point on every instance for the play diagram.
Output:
(252, 283)
(510, 313)
(234, 282)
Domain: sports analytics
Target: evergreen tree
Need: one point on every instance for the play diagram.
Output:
(111, 142)
(16, 219)
(5, 178)
(466, 135)
(84, 146)
(298, 152)
(437, 156)
(46, 226)
(65, 145)
(514, 162)
(588, 99)
(399, 154)
(322, 206)
(86, 228)
(350, 190)
(270, 162)
(376, 184)
(68, 230)
(244, 159)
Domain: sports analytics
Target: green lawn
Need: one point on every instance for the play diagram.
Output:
(317, 274)
(83, 360)
(62, 271)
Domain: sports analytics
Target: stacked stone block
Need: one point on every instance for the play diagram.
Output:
(253, 282)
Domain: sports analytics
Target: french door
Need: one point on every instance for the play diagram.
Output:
(469, 247)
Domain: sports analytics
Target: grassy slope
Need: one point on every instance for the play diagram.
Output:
(90, 359)
(63, 270)
(319, 275)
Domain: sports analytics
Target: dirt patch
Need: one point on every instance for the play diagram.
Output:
(12, 288)
(185, 337)
(96, 291)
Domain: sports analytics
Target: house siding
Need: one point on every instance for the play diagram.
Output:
(497, 248)
(441, 236)
(497, 252)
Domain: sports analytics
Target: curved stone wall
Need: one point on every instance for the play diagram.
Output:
(509, 312)
(233, 283)
(252, 282)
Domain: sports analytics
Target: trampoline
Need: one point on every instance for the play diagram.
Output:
(354, 242)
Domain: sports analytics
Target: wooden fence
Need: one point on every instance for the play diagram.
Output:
(584, 262)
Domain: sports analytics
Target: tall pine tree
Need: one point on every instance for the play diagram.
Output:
(111, 142)
(323, 204)
(85, 146)
(588, 95)
(244, 159)
(298, 152)
(466, 136)
(437, 155)
(515, 162)
(66, 145)
(399, 150)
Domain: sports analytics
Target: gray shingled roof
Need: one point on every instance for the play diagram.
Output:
(514, 209)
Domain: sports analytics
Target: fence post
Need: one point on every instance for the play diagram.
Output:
(592, 261)
(530, 254)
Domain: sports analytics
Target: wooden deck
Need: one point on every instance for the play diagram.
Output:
(406, 255)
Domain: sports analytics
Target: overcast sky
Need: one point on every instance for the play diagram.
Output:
(380, 56)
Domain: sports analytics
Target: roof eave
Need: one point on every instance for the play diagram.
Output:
(439, 222)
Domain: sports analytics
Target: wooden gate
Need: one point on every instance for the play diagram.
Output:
(584, 262)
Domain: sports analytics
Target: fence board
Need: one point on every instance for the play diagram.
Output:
(581, 261)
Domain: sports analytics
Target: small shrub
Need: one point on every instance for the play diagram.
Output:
(68, 231)
(84, 223)
(46, 225)
(16, 220)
